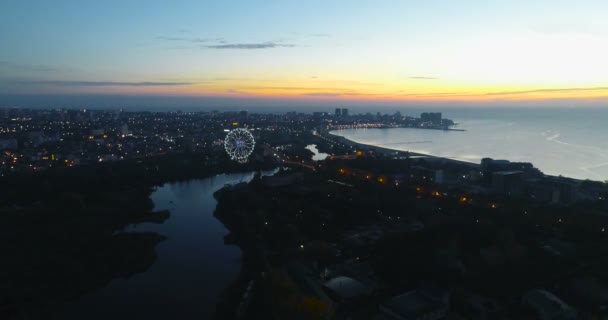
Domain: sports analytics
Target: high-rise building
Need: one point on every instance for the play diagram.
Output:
(431, 117)
(243, 115)
(338, 112)
(344, 112)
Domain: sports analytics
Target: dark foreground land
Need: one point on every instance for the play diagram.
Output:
(334, 239)
(364, 219)
(62, 231)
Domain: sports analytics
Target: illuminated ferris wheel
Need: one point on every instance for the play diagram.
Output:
(239, 144)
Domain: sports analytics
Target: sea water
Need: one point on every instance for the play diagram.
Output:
(570, 142)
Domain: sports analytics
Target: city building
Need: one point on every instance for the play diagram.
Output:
(319, 115)
(422, 174)
(553, 190)
(565, 187)
(338, 112)
(344, 290)
(433, 117)
(542, 192)
(243, 115)
(507, 182)
(492, 165)
(360, 271)
(344, 112)
(489, 166)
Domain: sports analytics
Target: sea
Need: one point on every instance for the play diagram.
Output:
(571, 142)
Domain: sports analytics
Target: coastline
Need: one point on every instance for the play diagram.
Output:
(233, 299)
(387, 151)
(393, 126)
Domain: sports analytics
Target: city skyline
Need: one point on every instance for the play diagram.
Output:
(364, 53)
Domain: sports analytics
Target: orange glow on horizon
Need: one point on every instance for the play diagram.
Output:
(353, 91)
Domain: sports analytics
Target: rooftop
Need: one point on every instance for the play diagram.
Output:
(345, 288)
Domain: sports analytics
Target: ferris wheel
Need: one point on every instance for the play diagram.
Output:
(239, 144)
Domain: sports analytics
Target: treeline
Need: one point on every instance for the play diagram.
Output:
(58, 227)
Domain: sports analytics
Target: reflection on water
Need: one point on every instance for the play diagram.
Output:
(556, 147)
(193, 266)
(317, 155)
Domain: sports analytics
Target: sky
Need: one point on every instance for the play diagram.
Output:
(304, 52)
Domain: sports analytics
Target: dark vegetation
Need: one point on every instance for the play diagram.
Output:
(487, 244)
(62, 230)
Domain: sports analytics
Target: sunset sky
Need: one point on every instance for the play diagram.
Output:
(308, 50)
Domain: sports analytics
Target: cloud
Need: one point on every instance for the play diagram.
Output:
(222, 43)
(250, 46)
(552, 90)
(185, 39)
(293, 88)
(423, 78)
(320, 35)
(324, 94)
(236, 91)
(26, 67)
(504, 93)
(318, 90)
(351, 82)
(437, 94)
(103, 83)
(340, 94)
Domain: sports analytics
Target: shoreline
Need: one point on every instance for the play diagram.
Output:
(386, 151)
(389, 126)
(252, 264)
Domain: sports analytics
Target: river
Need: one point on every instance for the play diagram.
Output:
(317, 155)
(193, 266)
